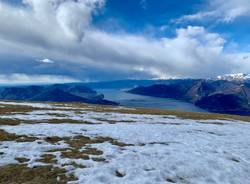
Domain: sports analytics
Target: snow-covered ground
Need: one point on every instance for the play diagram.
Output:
(157, 148)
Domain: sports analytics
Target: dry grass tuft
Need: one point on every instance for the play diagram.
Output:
(7, 109)
(53, 140)
(92, 151)
(21, 174)
(75, 165)
(74, 154)
(5, 136)
(80, 147)
(12, 122)
(48, 159)
(59, 121)
(22, 159)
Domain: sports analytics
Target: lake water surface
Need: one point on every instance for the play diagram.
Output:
(132, 100)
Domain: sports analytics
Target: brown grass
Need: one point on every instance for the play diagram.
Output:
(114, 121)
(103, 108)
(7, 109)
(111, 141)
(22, 159)
(59, 121)
(48, 159)
(92, 151)
(75, 165)
(21, 174)
(5, 136)
(53, 139)
(74, 154)
(180, 114)
(79, 146)
(12, 122)
(76, 144)
(57, 115)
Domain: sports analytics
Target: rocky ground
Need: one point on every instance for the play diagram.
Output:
(79, 143)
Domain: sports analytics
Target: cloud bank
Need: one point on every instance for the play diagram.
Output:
(16, 78)
(220, 10)
(62, 30)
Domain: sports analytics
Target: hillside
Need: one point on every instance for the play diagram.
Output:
(79, 143)
(54, 93)
(221, 96)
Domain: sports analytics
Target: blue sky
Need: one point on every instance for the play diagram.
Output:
(90, 40)
(137, 16)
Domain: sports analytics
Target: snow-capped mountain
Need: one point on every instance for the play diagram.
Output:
(237, 76)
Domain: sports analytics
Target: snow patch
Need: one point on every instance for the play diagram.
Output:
(30, 150)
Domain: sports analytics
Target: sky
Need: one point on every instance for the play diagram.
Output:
(59, 41)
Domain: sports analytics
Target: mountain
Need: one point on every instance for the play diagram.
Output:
(119, 84)
(222, 96)
(54, 93)
(20, 93)
(131, 83)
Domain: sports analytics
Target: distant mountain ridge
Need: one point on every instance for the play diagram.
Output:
(236, 76)
(222, 96)
(54, 93)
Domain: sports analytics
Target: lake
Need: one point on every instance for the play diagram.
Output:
(133, 100)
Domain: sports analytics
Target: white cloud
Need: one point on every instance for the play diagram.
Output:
(34, 79)
(62, 30)
(220, 10)
(46, 60)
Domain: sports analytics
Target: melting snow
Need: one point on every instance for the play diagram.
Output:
(30, 150)
(35, 105)
(164, 149)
